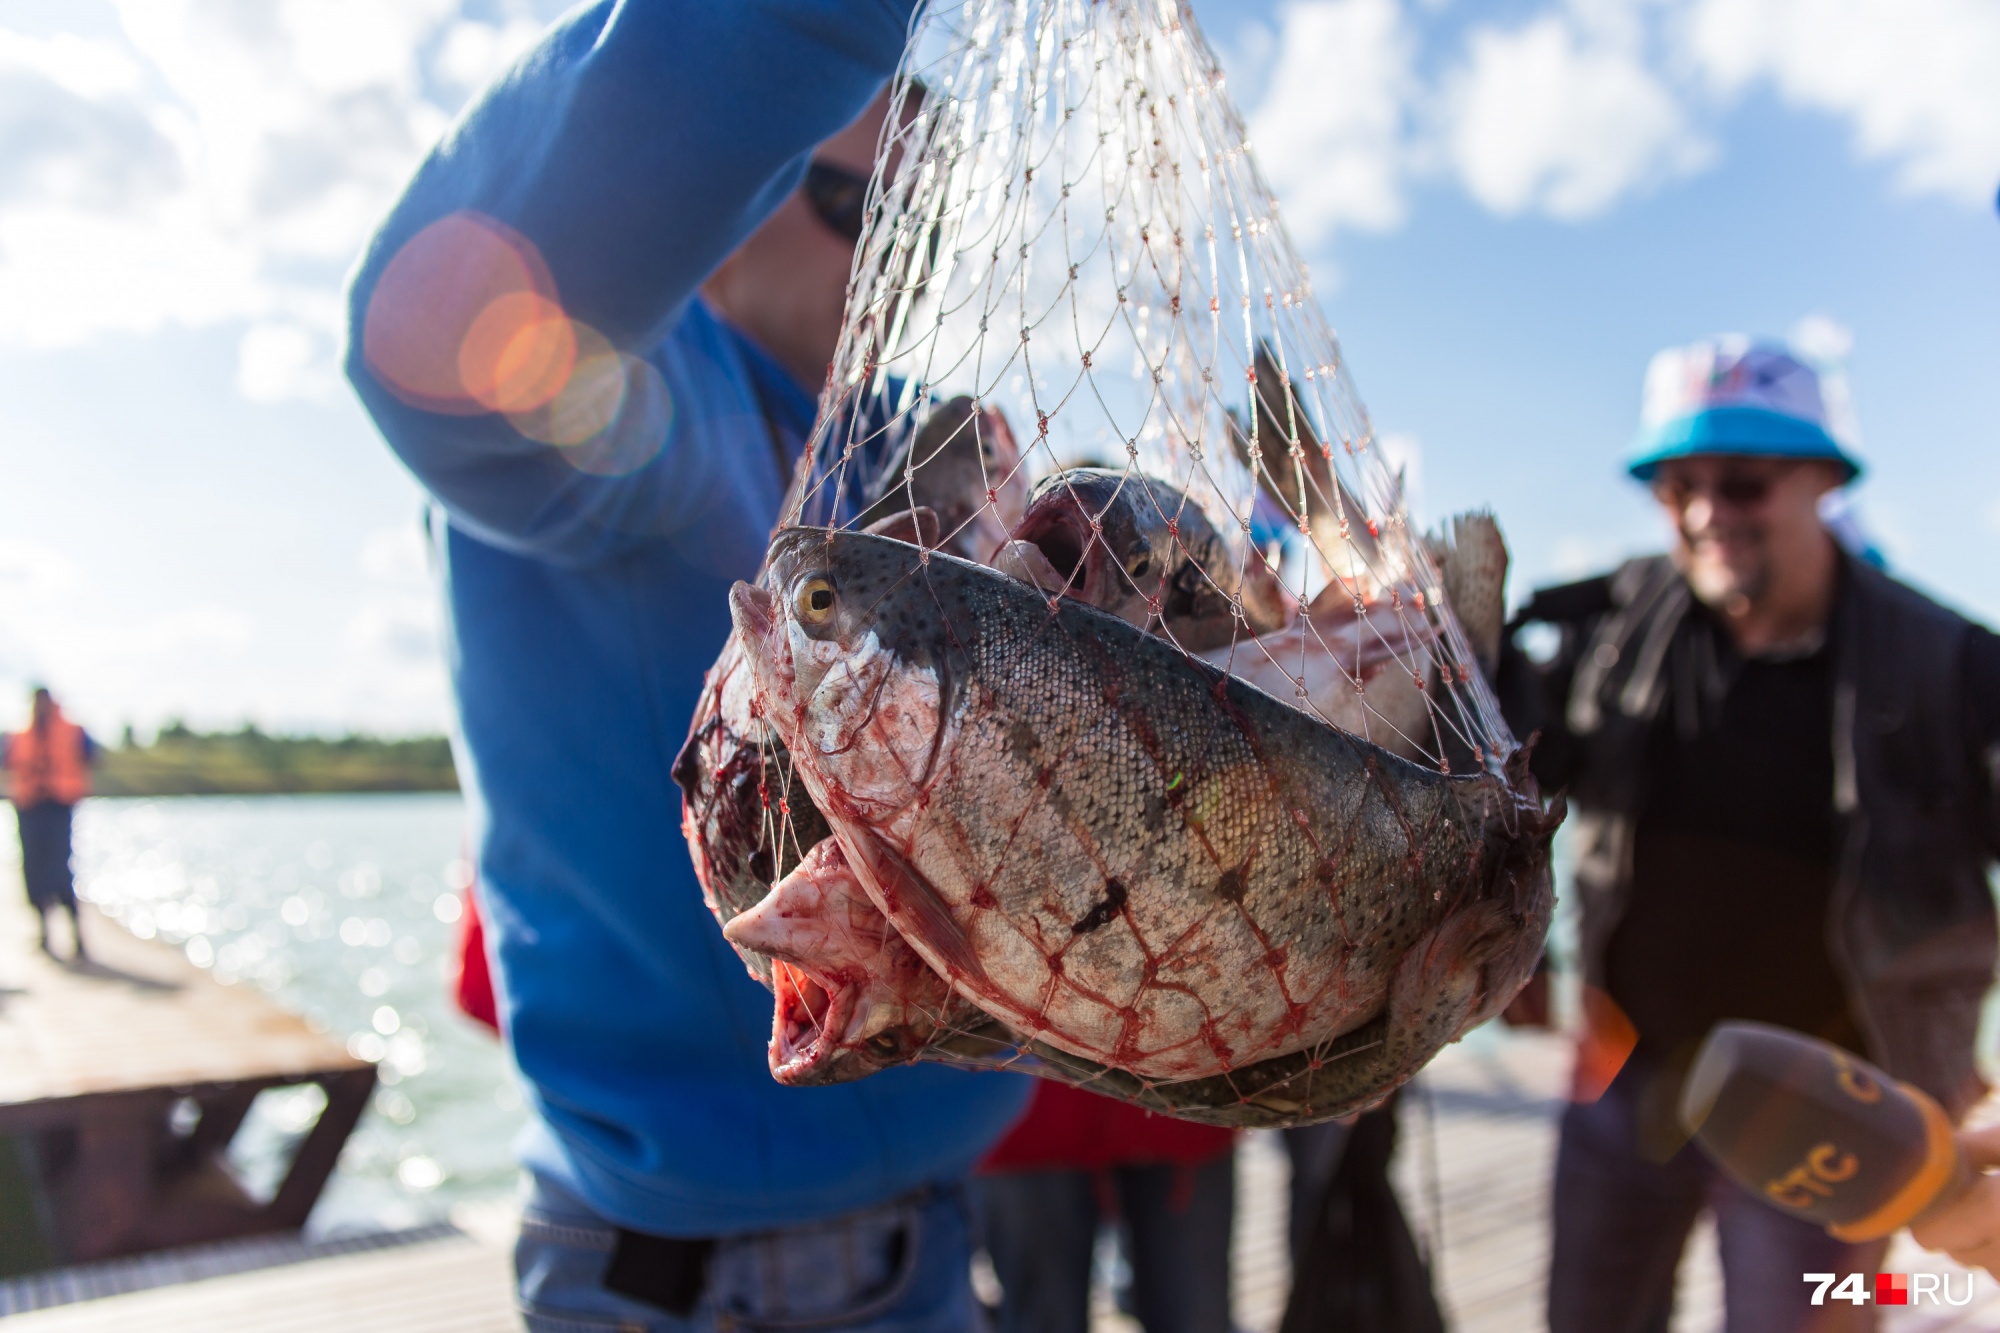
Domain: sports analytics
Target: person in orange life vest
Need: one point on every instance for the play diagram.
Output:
(48, 769)
(1043, 1188)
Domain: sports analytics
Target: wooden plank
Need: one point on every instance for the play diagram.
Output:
(138, 1015)
(1497, 1100)
(446, 1286)
(93, 1057)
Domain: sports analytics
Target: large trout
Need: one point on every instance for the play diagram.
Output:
(1124, 856)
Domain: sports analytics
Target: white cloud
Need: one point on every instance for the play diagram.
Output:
(473, 52)
(1918, 79)
(1564, 118)
(391, 648)
(202, 631)
(1331, 129)
(153, 666)
(396, 555)
(69, 132)
(217, 162)
(1820, 338)
(400, 629)
(33, 572)
(280, 360)
(392, 661)
(1583, 103)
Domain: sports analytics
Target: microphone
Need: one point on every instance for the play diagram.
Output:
(1819, 1133)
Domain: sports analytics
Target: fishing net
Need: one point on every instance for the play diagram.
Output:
(1075, 239)
(1080, 350)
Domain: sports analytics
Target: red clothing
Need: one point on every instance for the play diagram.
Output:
(474, 990)
(50, 762)
(1067, 1128)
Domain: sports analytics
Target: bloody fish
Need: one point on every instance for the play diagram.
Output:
(747, 818)
(851, 995)
(964, 466)
(1121, 854)
(1142, 550)
(1365, 659)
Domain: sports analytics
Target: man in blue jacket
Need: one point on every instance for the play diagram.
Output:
(591, 327)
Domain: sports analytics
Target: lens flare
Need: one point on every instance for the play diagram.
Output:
(519, 353)
(440, 284)
(589, 399)
(635, 436)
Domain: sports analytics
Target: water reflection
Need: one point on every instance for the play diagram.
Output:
(343, 909)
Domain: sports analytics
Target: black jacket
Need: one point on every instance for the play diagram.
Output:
(1911, 926)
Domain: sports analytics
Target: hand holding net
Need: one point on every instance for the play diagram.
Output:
(1140, 739)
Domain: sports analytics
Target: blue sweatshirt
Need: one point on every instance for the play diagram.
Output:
(634, 148)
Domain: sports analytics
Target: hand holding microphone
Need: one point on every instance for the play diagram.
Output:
(1824, 1135)
(1967, 1226)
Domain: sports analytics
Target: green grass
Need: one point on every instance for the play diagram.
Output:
(180, 762)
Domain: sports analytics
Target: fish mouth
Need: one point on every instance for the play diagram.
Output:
(1069, 538)
(754, 610)
(1062, 534)
(809, 1023)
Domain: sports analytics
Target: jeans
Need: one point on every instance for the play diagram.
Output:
(897, 1267)
(1040, 1228)
(45, 854)
(1622, 1218)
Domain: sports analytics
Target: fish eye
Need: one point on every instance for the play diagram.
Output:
(813, 602)
(1141, 567)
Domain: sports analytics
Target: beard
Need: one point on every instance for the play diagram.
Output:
(1726, 580)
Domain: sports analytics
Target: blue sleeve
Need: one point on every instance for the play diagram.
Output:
(634, 147)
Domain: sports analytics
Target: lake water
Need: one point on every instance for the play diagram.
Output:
(343, 909)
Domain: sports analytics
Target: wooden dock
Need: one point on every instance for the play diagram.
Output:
(142, 1028)
(123, 1080)
(1494, 1101)
(440, 1281)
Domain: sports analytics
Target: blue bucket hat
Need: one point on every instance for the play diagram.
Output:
(1735, 396)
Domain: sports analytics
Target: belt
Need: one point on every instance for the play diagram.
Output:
(669, 1272)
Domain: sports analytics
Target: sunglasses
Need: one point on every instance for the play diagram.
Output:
(838, 198)
(1743, 490)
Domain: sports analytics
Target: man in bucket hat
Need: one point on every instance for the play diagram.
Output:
(1783, 766)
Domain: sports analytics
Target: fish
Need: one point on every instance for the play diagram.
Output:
(770, 874)
(1293, 466)
(1471, 558)
(1143, 551)
(1363, 660)
(843, 1013)
(747, 818)
(963, 465)
(852, 997)
(1122, 855)
(1369, 662)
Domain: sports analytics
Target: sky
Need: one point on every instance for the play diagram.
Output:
(1508, 207)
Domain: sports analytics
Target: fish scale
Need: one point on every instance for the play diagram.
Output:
(1276, 872)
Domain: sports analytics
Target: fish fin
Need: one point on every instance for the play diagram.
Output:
(915, 909)
(918, 526)
(1471, 556)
